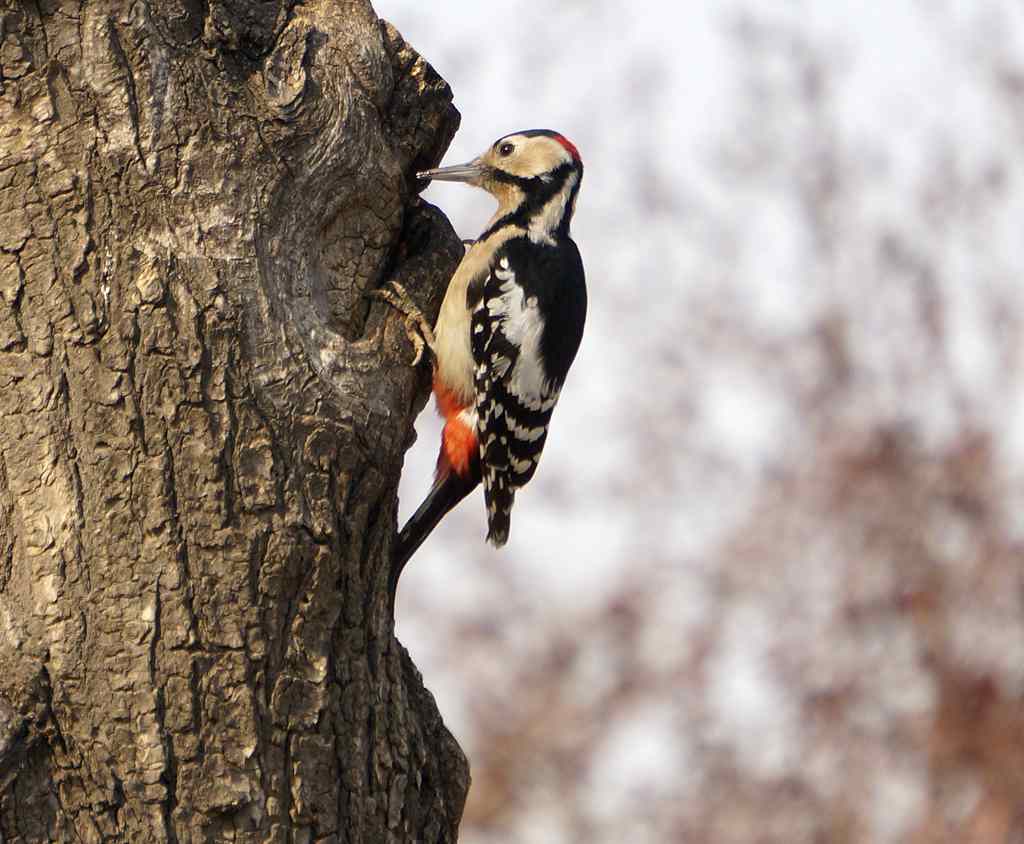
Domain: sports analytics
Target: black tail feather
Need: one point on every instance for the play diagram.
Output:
(447, 491)
(498, 497)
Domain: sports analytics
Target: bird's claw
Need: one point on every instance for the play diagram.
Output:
(417, 327)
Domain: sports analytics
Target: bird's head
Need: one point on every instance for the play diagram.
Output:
(524, 170)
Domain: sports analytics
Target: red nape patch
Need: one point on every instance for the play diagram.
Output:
(569, 145)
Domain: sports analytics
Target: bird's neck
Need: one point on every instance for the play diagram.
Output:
(544, 211)
(550, 214)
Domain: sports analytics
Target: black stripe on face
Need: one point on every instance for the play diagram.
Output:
(570, 205)
(537, 192)
(525, 183)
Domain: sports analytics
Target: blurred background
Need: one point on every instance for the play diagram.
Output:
(768, 584)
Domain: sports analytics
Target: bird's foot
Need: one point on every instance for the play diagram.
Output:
(417, 327)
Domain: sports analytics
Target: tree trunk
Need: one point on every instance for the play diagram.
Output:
(202, 423)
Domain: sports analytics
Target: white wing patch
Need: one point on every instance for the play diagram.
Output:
(519, 319)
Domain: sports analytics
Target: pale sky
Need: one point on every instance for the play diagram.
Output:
(708, 266)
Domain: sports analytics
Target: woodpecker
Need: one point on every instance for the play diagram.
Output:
(508, 330)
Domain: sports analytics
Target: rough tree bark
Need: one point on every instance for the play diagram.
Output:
(202, 422)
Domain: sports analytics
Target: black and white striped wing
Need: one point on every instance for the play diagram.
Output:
(514, 395)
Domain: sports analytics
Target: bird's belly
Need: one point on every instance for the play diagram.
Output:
(451, 336)
(454, 355)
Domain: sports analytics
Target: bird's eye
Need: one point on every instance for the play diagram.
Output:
(505, 149)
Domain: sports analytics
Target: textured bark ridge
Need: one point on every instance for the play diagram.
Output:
(202, 423)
